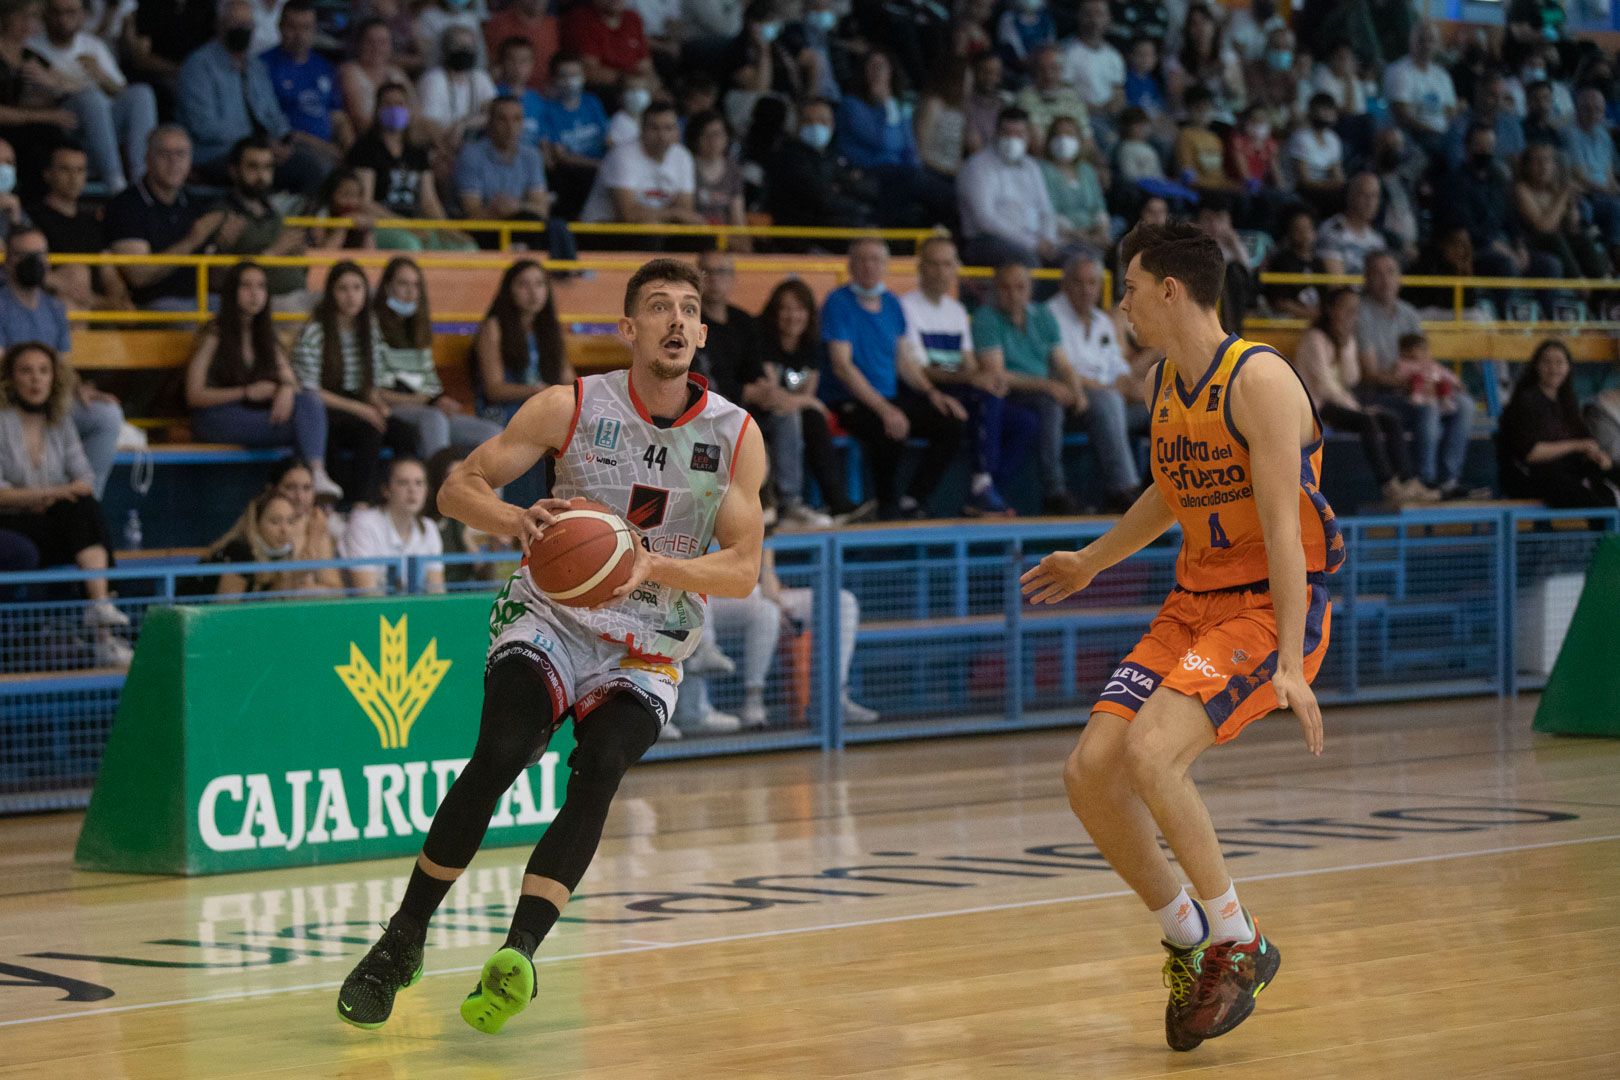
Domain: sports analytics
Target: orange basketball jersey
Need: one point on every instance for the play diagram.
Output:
(1201, 467)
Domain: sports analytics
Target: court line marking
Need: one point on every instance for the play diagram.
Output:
(754, 935)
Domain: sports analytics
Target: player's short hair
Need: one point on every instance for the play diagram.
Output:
(671, 270)
(1184, 252)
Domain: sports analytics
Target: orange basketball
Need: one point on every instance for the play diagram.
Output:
(583, 555)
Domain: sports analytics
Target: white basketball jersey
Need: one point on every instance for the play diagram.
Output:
(666, 482)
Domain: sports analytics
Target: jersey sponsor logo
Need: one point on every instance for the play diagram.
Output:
(601, 459)
(1239, 658)
(1193, 662)
(1183, 460)
(1214, 399)
(648, 505)
(706, 458)
(607, 433)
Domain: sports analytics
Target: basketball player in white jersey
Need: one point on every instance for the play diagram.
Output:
(682, 465)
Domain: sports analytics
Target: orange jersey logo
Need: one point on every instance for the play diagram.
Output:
(1201, 467)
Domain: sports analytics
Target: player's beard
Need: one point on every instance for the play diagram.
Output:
(663, 368)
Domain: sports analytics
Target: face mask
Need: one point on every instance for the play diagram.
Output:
(1321, 123)
(824, 20)
(636, 100)
(8, 178)
(1482, 161)
(1065, 148)
(1533, 75)
(769, 31)
(816, 136)
(394, 117)
(238, 38)
(29, 273)
(1012, 149)
(278, 551)
(1280, 59)
(571, 88)
(403, 308)
(1260, 132)
(461, 59)
(868, 294)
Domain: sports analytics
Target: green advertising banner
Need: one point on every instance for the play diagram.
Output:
(255, 736)
(1582, 695)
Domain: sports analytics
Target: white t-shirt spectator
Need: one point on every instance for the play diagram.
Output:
(1350, 95)
(66, 61)
(1095, 72)
(1338, 239)
(656, 15)
(940, 333)
(623, 128)
(1428, 92)
(656, 184)
(445, 102)
(1007, 201)
(371, 534)
(1312, 155)
(1092, 351)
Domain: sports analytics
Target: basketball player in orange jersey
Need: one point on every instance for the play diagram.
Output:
(683, 466)
(1237, 454)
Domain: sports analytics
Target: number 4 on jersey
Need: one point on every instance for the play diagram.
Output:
(1217, 535)
(655, 458)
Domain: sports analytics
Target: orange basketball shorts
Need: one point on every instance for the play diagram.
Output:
(1219, 647)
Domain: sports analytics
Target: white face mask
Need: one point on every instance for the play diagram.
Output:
(636, 100)
(1065, 148)
(1011, 148)
(816, 136)
(8, 178)
(403, 308)
(279, 551)
(1260, 131)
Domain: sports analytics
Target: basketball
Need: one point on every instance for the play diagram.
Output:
(583, 555)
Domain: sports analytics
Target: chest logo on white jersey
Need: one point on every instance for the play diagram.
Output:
(607, 433)
(706, 458)
(648, 506)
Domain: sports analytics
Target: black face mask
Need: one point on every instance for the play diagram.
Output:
(1482, 161)
(238, 38)
(29, 273)
(460, 59)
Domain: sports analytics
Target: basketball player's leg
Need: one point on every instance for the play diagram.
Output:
(1115, 817)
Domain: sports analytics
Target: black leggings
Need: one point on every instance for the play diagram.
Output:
(359, 477)
(516, 726)
(822, 462)
(1383, 437)
(941, 434)
(62, 530)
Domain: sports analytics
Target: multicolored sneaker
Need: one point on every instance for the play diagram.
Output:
(505, 988)
(1230, 975)
(394, 963)
(1180, 977)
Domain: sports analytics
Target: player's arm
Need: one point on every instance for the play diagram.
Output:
(468, 494)
(739, 528)
(1267, 406)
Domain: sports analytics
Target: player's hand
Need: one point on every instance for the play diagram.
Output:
(536, 518)
(638, 574)
(1293, 692)
(1057, 577)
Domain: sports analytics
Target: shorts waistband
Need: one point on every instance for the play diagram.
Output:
(1314, 577)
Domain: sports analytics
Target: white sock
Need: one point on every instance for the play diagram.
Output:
(1226, 919)
(981, 483)
(1181, 922)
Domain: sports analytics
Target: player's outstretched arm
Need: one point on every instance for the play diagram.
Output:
(1272, 413)
(468, 494)
(1064, 573)
(739, 529)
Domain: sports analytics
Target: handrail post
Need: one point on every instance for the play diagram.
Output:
(202, 288)
(1457, 300)
(505, 239)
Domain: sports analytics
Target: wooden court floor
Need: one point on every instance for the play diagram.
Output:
(1444, 885)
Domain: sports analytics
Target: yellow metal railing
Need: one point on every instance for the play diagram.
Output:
(1459, 287)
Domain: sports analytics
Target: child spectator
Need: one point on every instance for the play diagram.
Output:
(1200, 156)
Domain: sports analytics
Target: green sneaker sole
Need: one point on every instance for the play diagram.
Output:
(416, 978)
(505, 988)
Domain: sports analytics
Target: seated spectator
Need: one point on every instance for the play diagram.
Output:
(1592, 161)
(1006, 213)
(574, 134)
(1144, 82)
(371, 67)
(344, 196)
(436, 18)
(1449, 253)
(1541, 123)
(1206, 61)
(1200, 154)
(240, 387)
(30, 122)
(984, 103)
(1478, 197)
(1490, 110)
(1050, 96)
(1136, 158)
(295, 480)
(810, 41)
(1296, 254)
(30, 314)
(649, 181)
(1420, 91)
(529, 21)
(1092, 342)
(497, 176)
(792, 355)
(1315, 157)
(880, 394)
(306, 84)
(45, 484)
(518, 349)
(155, 216)
(1074, 189)
(1346, 240)
(808, 183)
(395, 173)
(1238, 290)
(875, 134)
(1340, 79)
(455, 97)
(1549, 213)
(1274, 79)
(459, 538)
(1022, 30)
(610, 41)
(1398, 189)
(729, 358)
(267, 532)
(160, 34)
(115, 116)
(11, 207)
(252, 225)
(72, 228)
(1329, 364)
(1091, 64)
(514, 63)
(224, 95)
(1015, 336)
(398, 526)
(338, 355)
(1544, 449)
(941, 122)
(940, 337)
(405, 43)
(406, 376)
(718, 192)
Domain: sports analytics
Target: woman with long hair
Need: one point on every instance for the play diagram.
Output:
(792, 354)
(874, 133)
(46, 491)
(240, 387)
(1544, 449)
(268, 531)
(518, 349)
(1206, 60)
(293, 480)
(397, 176)
(941, 123)
(338, 355)
(1548, 205)
(1074, 187)
(406, 376)
(718, 197)
(1328, 363)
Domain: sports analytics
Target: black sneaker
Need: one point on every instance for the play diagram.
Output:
(394, 963)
